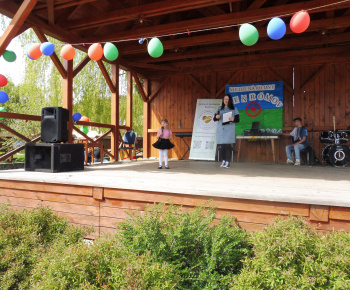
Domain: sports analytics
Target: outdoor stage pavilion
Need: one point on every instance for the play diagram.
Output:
(202, 54)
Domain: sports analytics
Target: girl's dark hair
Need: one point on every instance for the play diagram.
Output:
(165, 121)
(230, 102)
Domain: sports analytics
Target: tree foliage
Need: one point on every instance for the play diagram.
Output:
(42, 87)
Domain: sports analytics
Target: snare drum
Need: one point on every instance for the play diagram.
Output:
(336, 155)
(341, 138)
(327, 137)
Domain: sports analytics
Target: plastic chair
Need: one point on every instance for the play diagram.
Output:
(128, 143)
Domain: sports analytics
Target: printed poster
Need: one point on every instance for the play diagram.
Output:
(203, 145)
(258, 102)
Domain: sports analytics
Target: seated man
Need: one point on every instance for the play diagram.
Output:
(299, 138)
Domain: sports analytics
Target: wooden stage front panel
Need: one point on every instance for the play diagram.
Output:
(104, 206)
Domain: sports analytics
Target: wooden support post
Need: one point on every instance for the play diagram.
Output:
(297, 93)
(146, 122)
(129, 99)
(16, 23)
(115, 112)
(67, 95)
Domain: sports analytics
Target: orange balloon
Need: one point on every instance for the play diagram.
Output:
(68, 52)
(95, 51)
(85, 119)
(34, 51)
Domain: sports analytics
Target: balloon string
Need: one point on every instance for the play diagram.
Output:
(211, 28)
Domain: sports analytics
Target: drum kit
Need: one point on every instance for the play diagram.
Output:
(336, 153)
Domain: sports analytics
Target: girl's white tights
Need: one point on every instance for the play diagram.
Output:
(163, 152)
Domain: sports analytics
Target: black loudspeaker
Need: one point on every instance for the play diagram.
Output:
(53, 157)
(54, 124)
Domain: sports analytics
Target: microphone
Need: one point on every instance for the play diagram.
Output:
(162, 131)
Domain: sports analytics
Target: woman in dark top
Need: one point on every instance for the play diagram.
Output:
(225, 133)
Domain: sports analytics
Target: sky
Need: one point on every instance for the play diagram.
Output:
(13, 70)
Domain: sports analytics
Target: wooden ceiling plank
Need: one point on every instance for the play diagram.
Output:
(334, 51)
(340, 30)
(218, 21)
(147, 10)
(139, 86)
(50, 12)
(59, 6)
(53, 56)
(256, 4)
(150, 66)
(9, 9)
(106, 76)
(81, 65)
(19, 18)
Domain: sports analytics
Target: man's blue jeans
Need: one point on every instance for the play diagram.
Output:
(296, 149)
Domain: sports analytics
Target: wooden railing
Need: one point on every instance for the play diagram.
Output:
(9, 154)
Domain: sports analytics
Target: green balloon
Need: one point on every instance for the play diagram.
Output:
(84, 129)
(2, 109)
(110, 51)
(9, 55)
(155, 47)
(248, 34)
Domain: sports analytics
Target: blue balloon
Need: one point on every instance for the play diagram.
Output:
(47, 48)
(276, 28)
(3, 97)
(29, 44)
(76, 116)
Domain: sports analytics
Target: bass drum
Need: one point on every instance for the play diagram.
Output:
(336, 155)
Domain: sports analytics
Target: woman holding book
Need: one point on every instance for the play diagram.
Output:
(226, 116)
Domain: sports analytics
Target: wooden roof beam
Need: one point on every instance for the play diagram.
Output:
(65, 4)
(51, 12)
(139, 86)
(81, 65)
(147, 10)
(53, 56)
(19, 18)
(106, 76)
(220, 20)
(332, 53)
(9, 9)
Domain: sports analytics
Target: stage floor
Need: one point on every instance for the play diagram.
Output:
(315, 185)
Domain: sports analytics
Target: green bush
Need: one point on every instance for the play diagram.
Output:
(289, 255)
(105, 264)
(203, 255)
(24, 237)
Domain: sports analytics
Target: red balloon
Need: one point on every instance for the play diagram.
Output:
(34, 51)
(3, 81)
(85, 119)
(300, 21)
(68, 52)
(95, 51)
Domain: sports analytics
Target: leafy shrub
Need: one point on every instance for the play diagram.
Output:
(203, 255)
(24, 237)
(289, 255)
(105, 264)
